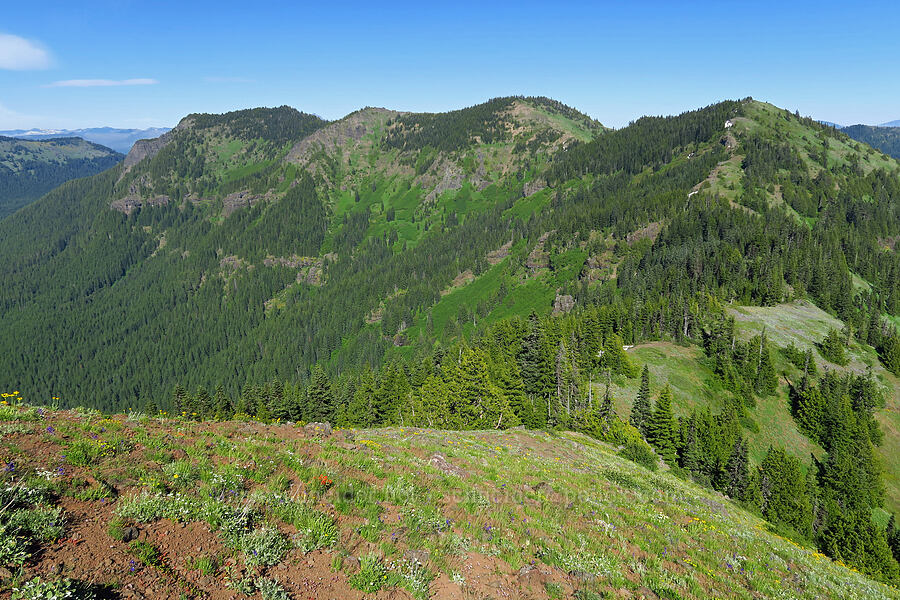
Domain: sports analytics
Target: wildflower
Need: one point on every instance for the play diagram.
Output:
(50, 429)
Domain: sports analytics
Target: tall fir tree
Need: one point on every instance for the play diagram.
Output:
(661, 429)
(320, 398)
(202, 404)
(641, 410)
(361, 411)
(737, 471)
(534, 364)
(222, 404)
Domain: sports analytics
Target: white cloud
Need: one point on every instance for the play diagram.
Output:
(102, 82)
(19, 54)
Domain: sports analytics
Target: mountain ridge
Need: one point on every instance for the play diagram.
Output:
(119, 140)
(883, 138)
(29, 169)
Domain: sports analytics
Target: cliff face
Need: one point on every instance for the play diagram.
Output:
(150, 148)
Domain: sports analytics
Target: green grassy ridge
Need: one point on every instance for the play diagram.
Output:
(807, 138)
(16, 153)
(566, 503)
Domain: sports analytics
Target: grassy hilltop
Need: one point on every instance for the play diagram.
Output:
(127, 506)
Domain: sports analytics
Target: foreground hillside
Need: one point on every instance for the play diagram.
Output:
(29, 169)
(134, 507)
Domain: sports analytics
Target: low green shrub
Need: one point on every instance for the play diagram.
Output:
(59, 589)
(640, 452)
(271, 589)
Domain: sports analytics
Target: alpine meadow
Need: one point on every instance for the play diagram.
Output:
(498, 352)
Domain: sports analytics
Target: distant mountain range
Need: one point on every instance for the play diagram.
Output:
(120, 140)
(837, 126)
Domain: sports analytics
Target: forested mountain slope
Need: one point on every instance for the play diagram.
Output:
(30, 169)
(509, 263)
(274, 246)
(886, 139)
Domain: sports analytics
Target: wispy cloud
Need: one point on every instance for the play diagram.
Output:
(228, 80)
(19, 54)
(102, 82)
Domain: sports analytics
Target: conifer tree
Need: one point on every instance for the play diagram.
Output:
(809, 368)
(533, 361)
(661, 430)
(809, 409)
(280, 403)
(361, 410)
(222, 404)
(506, 375)
(833, 347)
(606, 412)
(641, 410)
(428, 405)
(320, 398)
(151, 409)
(614, 357)
(892, 533)
(738, 470)
(890, 353)
(392, 394)
(180, 400)
(202, 405)
(783, 493)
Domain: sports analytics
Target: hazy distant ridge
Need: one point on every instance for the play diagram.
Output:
(120, 140)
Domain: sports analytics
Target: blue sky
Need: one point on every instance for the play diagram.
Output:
(137, 64)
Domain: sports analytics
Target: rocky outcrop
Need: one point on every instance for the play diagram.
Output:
(496, 256)
(132, 201)
(149, 148)
(316, 429)
(351, 128)
(310, 269)
(452, 179)
(233, 263)
(563, 304)
(243, 199)
(293, 261)
(533, 187)
(538, 258)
